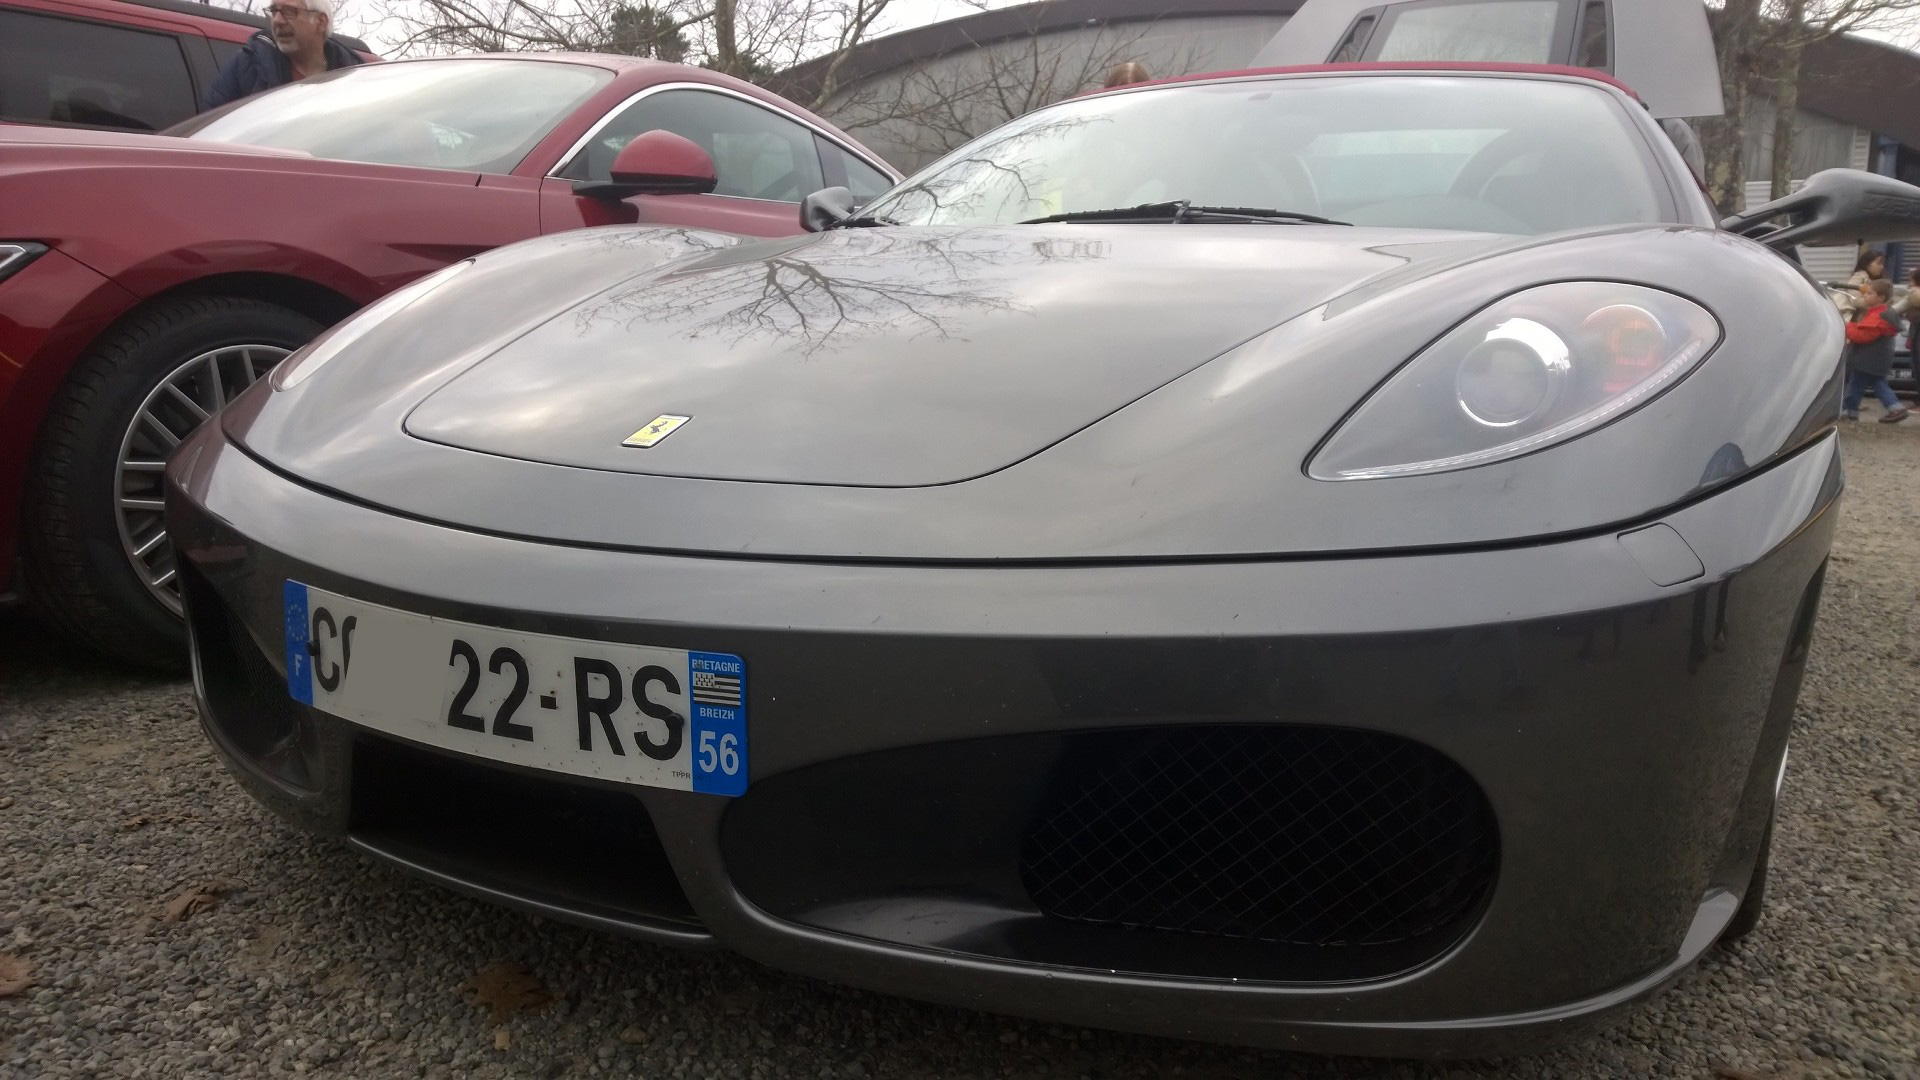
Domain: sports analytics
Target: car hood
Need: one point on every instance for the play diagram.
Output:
(1040, 393)
(883, 357)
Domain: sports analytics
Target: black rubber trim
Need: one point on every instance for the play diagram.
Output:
(421, 863)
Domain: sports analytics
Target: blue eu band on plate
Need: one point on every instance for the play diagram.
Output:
(636, 714)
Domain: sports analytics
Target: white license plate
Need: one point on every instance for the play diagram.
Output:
(633, 713)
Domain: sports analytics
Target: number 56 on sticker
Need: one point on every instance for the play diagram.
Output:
(718, 724)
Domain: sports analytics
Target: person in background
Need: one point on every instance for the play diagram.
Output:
(1870, 354)
(1909, 306)
(1871, 266)
(1126, 74)
(295, 45)
(1908, 309)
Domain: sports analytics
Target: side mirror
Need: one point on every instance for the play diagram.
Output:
(1838, 206)
(826, 208)
(655, 163)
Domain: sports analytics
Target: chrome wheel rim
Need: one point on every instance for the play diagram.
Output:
(182, 401)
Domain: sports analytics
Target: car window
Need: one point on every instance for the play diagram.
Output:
(481, 115)
(69, 71)
(865, 181)
(1356, 39)
(1478, 31)
(1594, 47)
(224, 51)
(757, 153)
(1502, 155)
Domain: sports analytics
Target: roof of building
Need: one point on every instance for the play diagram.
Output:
(921, 43)
(1866, 84)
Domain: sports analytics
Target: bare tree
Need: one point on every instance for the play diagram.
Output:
(1800, 24)
(1762, 46)
(450, 26)
(932, 108)
(856, 23)
(750, 39)
(768, 36)
(1723, 139)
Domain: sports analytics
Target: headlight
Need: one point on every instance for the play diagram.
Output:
(16, 254)
(305, 362)
(1536, 369)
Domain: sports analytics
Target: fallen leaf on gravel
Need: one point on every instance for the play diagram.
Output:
(135, 821)
(634, 1035)
(502, 1040)
(197, 898)
(15, 974)
(1722, 1072)
(191, 902)
(504, 989)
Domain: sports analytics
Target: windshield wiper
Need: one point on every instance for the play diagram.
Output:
(1182, 212)
(863, 221)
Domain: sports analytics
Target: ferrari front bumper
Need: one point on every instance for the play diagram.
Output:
(1594, 752)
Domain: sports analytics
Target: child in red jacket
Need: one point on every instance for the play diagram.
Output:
(1870, 354)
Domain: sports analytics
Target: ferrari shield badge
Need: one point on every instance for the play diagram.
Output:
(658, 428)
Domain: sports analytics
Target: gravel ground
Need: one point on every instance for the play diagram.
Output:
(307, 959)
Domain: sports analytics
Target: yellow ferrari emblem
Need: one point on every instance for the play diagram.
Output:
(659, 428)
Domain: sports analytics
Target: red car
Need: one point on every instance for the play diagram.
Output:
(144, 279)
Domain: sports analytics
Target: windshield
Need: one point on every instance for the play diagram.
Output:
(1477, 153)
(478, 115)
(1507, 31)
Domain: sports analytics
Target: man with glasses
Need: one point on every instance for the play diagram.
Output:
(295, 46)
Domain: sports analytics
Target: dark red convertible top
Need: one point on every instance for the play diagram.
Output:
(1563, 70)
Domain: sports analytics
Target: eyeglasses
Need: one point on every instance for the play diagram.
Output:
(287, 11)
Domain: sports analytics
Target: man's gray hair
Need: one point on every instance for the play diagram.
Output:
(324, 7)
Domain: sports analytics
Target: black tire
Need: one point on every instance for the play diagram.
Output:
(1755, 901)
(79, 576)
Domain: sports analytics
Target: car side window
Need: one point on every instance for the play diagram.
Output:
(75, 72)
(866, 182)
(223, 51)
(757, 153)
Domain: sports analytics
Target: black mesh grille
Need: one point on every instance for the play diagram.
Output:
(265, 684)
(1308, 836)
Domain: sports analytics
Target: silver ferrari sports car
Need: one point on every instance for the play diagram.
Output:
(1318, 557)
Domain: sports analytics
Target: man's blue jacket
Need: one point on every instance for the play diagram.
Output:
(260, 65)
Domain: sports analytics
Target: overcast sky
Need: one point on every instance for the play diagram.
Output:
(904, 14)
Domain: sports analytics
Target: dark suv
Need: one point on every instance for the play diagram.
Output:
(128, 65)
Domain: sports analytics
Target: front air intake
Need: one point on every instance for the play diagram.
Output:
(1274, 834)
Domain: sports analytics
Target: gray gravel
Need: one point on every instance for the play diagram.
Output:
(314, 961)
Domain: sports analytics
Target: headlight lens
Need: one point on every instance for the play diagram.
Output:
(1514, 375)
(1536, 369)
(305, 362)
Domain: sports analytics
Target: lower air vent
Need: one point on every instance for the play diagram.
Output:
(1293, 835)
